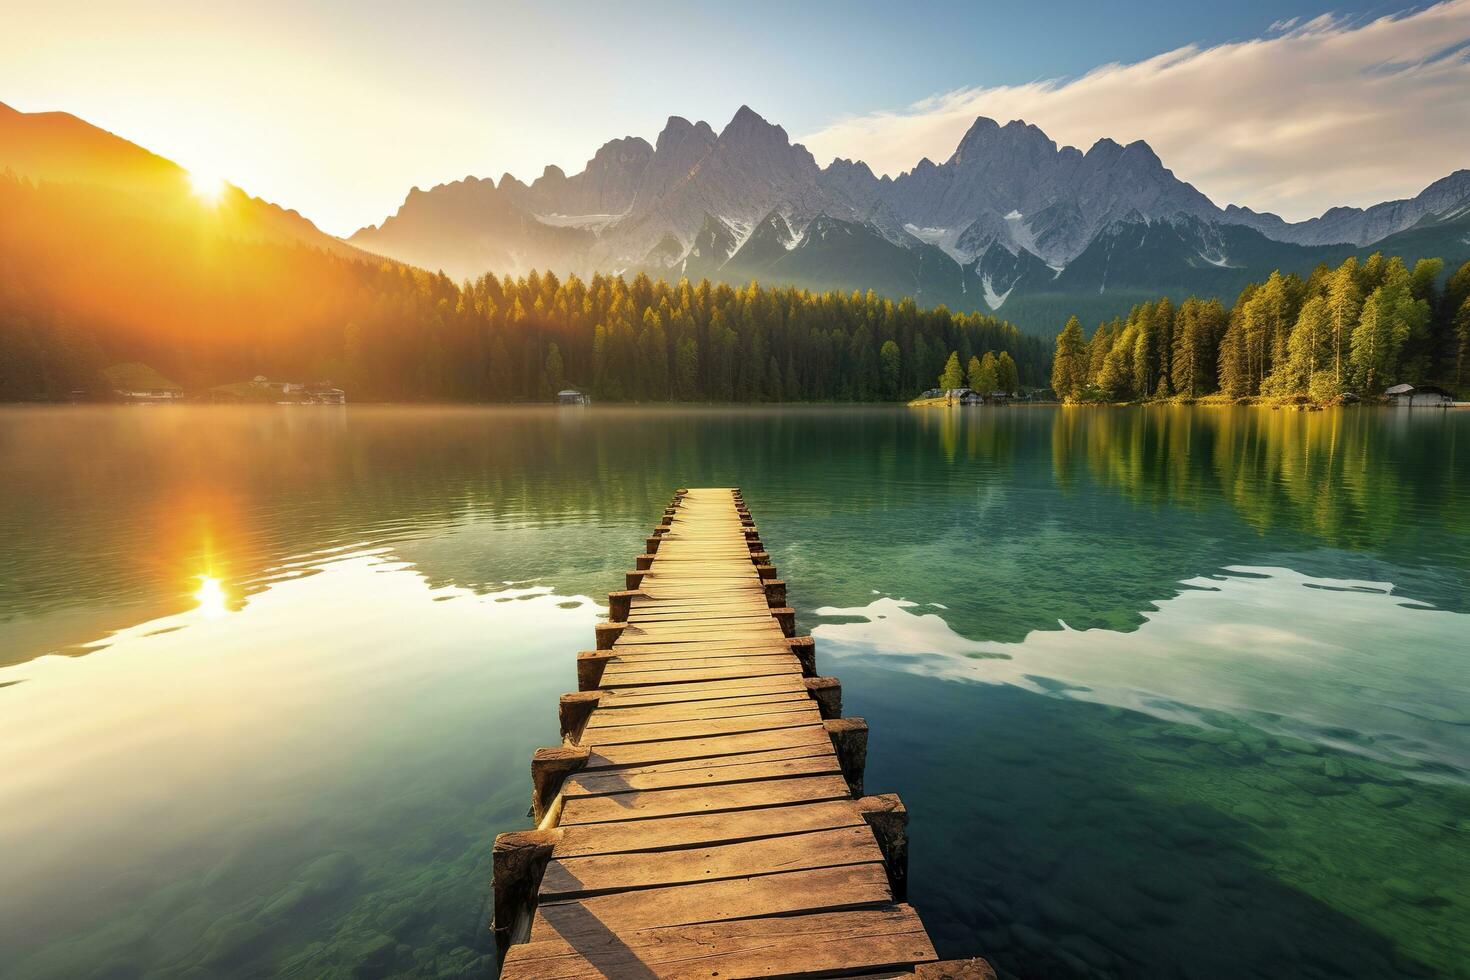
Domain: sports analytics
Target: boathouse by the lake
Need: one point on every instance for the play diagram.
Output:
(1419, 396)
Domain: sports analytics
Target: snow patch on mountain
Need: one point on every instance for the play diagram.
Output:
(592, 222)
(946, 239)
(993, 299)
(1021, 233)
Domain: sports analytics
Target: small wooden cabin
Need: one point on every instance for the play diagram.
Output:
(1419, 396)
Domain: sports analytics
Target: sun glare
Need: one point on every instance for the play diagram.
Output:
(206, 186)
(211, 597)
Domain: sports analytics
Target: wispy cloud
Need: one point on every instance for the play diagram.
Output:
(1318, 113)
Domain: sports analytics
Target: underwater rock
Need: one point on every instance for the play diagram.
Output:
(317, 880)
(1404, 890)
(232, 940)
(1256, 814)
(1383, 796)
(373, 956)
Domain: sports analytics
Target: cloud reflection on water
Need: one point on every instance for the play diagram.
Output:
(1342, 663)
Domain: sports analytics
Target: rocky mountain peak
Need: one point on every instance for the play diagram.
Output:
(747, 121)
(1140, 154)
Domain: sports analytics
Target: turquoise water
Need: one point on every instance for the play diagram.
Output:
(1168, 692)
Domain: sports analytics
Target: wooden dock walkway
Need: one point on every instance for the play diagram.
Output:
(704, 815)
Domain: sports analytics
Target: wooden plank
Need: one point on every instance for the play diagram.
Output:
(701, 727)
(649, 753)
(611, 713)
(887, 938)
(814, 763)
(702, 799)
(664, 833)
(819, 890)
(761, 645)
(670, 654)
(693, 714)
(633, 635)
(730, 658)
(724, 617)
(652, 677)
(614, 697)
(575, 877)
(802, 751)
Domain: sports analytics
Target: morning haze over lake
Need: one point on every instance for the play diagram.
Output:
(934, 523)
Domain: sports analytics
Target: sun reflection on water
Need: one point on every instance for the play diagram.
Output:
(211, 597)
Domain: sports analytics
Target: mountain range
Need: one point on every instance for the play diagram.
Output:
(1010, 223)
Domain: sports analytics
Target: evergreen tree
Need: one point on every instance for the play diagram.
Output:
(952, 377)
(1068, 373)
(1007, 378)
(892, 367)
(1344, 304)
(1390, 317)
(988, 375)
(972, 373)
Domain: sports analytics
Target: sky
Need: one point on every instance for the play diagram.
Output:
(337, 108)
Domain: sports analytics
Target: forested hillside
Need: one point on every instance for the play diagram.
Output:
(1356, 328)
(92, 275)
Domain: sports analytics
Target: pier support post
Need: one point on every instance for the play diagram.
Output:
(518, 861)
(850, 740)
(785, 616)
(827, 692)
(618, 604)
(643, 562)
(632, 580)
(762, 569)
(775, 593)
(549, 768)
(607, 634)
(805, 649)
(889, 819)
(574, 710)
(590, 665)
(652, 544)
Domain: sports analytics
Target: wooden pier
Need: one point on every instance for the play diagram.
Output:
(704, 815)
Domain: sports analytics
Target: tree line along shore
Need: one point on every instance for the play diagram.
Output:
(1342, 333)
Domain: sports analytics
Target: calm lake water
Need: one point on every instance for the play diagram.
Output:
(1168, 692)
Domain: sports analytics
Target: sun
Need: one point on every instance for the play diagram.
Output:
(206, 186)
